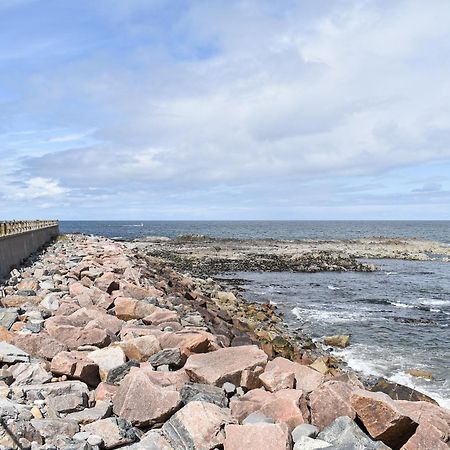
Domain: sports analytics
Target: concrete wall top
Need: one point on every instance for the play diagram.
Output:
(23, 226)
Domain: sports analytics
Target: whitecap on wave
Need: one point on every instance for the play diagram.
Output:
(433, 301)
(333, 288)
(402, 305)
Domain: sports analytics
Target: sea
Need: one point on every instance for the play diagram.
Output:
(398, 317)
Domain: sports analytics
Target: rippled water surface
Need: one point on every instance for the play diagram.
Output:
(398, 318)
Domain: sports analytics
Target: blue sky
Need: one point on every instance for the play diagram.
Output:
(251, 109)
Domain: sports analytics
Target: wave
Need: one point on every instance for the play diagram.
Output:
(433, 301)
(402, 305)
(333, 288)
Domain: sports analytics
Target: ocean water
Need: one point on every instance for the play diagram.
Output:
(433, 230)
(398, 318)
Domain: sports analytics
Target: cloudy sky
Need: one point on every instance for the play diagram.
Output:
(246, 109)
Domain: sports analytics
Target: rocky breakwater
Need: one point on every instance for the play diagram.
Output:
(104, 348)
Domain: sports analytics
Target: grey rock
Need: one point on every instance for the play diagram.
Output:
(229, 388)
(305, 429)
(345, 432)
(67, 403)
(101, 410)
(95, 440)
(11, 354)
(7, 317)
(117, 374)
(55, 431)
(257, 417)
(114, 431)
(307, 443)
(81, 436)
(203, 392)
(29, 373)
(170, 356)
(153, 440)
(50, 390)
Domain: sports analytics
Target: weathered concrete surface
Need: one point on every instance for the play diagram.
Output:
(17, 247)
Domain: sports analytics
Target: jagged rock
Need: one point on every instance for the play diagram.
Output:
(256, 437)
(75, 366)
(29, 373)
(341, 341)
(11, 354)
(169, 356)
(67, 403)
(107, 282)
(142, 402)
(189, 342)
(382, 418)
(330, 401)
(305, 429)
(105, 392)
(114, 431)
(231, 364)
(7, 317)
(101, 410)
(116, 375)
(205, 393)
(130, 308)
(55, 431)
(344, 432)
(274, 376)
(107, 359)
(141, 348)
(161, 315)
(198, 425)
(41, 345)
(153, 440)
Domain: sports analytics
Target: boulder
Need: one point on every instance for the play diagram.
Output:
(55, 430)
(107, 359)
(11, 354)
(152, 440)
(41, 345)
(170, 356)
(52, 390)
(305, 429)
(382, 418)
(74, 365)
(400, 392)
(307, 443)
(7, 317)
(427, 436)
(330, 401)
(204, 393)
(113, 431)
(142, 402)
(232, 364)
(67, 403)
(278, 370)
(189, 342)
(251, 402)
(257, 436)
(341, 341)
(107, 282)
(198, 425)
(161, 315)
(116, 375)
(127, 308)
(29, 373)
(344, 432)
(101, 410)
(141, 348)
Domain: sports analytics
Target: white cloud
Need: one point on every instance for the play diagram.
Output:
(39, 188)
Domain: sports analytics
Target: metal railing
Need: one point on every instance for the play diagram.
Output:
(22, 226)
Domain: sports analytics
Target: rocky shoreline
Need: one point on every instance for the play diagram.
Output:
(205, 256)
(104, 345)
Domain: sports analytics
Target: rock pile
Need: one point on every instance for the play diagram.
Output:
(103, 348)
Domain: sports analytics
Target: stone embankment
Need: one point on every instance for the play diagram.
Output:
(104, 348)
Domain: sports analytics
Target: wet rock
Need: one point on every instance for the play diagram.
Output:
(11, 354)
(169, 356)
(400, 392)
(344, 432)
(141, 348)
(279, 372)
(256, 437)
(420, 373)
(116, 375)
(198, 425)
(305, 429)
(204, 393)
(75, 366)
(341, 341)
(142, 402)
(228, 364)
(330, 401)
(107, 359)
(382, 418)
(113, 431)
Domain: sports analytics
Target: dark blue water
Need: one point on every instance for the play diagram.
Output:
(376, 309)
(433, 230)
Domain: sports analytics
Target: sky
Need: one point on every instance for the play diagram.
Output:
(212, 109)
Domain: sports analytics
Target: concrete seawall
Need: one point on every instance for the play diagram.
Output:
(16, 247)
